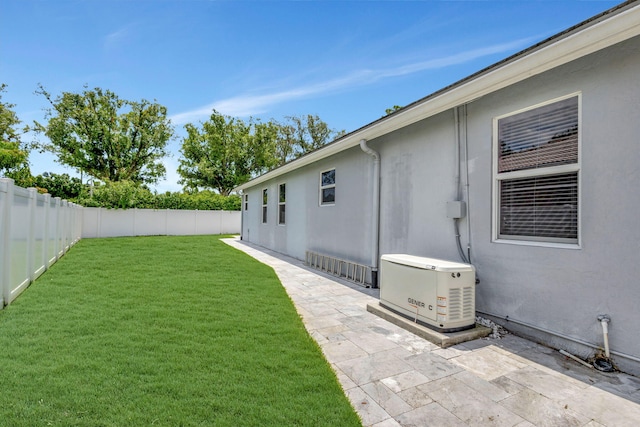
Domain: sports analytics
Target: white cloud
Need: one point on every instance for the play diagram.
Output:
(117, 38)
(246, 105)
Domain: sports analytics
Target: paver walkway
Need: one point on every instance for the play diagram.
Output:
(394, 378)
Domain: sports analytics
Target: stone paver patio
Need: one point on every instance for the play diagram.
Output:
(394, 378)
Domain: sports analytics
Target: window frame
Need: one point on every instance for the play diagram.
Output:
(265, 204)
(326, 187)
(246, 201)
(542, 171)
(282, 203)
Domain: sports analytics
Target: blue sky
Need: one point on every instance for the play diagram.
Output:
(346, 61)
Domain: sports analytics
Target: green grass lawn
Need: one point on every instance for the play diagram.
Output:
(166, 331)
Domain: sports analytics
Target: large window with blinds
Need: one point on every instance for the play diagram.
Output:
(536, 153)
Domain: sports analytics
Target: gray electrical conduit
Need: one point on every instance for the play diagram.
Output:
(466, 182)
(456, 222)
(375, 211)
(558, 334)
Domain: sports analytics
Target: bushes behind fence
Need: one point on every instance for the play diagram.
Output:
(127, 195)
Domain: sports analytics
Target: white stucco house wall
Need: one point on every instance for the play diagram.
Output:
(538, 156)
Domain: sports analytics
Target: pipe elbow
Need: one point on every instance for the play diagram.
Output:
(370, 151)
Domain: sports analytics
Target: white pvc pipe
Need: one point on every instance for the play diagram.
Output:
(577, 359)
(604, 321)
(557, 334)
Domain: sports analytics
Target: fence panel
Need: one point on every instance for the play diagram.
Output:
(149, 222)
(37, 229)
(52, 230)
(101, 222)
(34, 232)
(181, 223)
(19, 246)
(39, 226)
(230, 222)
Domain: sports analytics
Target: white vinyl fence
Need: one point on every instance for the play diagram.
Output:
(35, 231)
(101, 222)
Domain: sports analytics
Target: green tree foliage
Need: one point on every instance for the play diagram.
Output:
(392, 109)
(106, 137)
(13, 155)
(300, 135)
(202, 200)
(118, 195)
(225, 152)
(129, 195)
(60, 185)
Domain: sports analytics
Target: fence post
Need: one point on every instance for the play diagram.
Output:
(166, 222)
(56, 244)
(47, 231)
(99, 223)
(78, 214)
(6, 187)
(64, 209)
(31, 233)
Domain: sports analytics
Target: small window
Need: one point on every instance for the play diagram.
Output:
(282, 200)
(265, 199)
(328, 187)
(246, 202)
(537, 167)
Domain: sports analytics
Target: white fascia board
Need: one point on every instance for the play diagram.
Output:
(592, 37)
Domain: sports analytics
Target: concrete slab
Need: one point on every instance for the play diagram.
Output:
(443, 340)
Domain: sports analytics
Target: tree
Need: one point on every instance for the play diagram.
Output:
(106, 137)
(392, 109)
(13, 155)
(59, 185)
(226, 152)
(300, 135)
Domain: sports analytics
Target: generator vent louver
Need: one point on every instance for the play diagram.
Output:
(461, 303)
(437, 293)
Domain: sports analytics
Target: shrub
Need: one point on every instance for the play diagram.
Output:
(128, 195)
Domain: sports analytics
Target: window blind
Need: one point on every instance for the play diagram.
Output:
(543, 207)
(542, 137)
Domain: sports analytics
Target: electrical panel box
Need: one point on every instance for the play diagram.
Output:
(435, 293)
(456, 209)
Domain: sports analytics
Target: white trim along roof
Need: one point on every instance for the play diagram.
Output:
(606, 29)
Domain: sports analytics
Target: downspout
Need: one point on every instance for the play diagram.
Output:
(242, 213)
(375, 211)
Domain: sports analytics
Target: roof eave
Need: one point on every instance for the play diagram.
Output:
(611, 27)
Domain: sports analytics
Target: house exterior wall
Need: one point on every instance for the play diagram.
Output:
(551, 293)
(559, 290)
(340, 230)
(417, 180)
